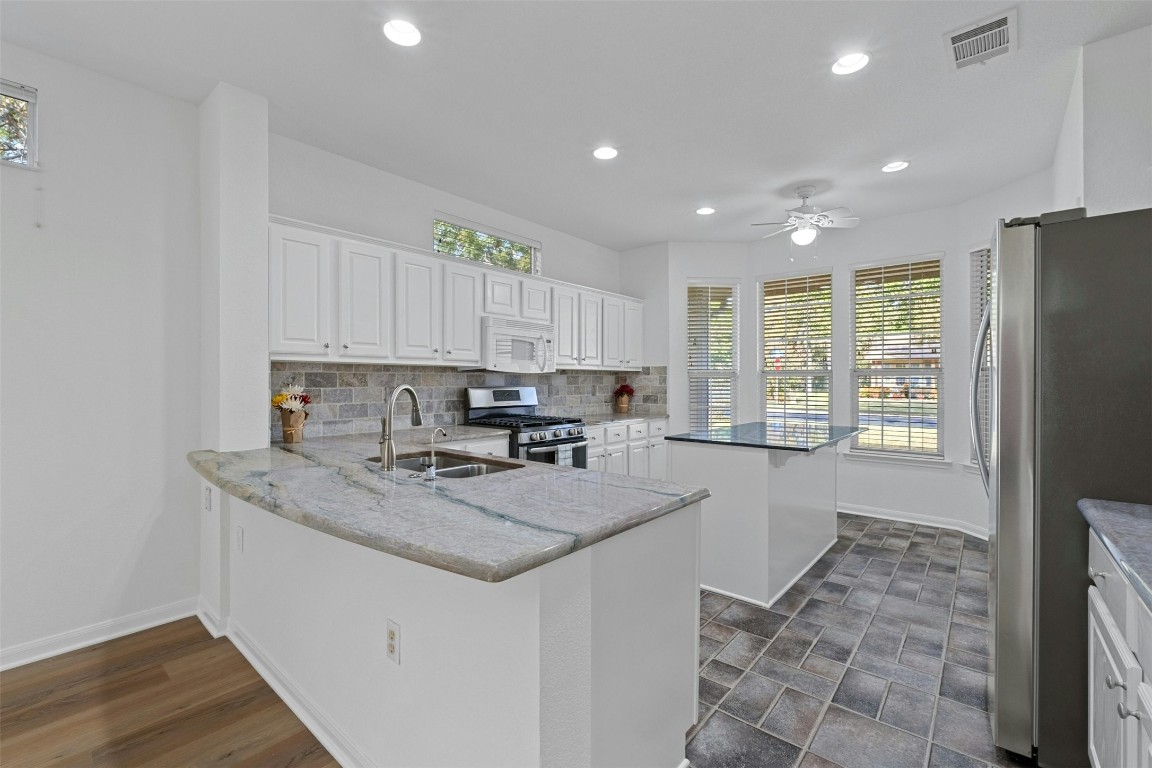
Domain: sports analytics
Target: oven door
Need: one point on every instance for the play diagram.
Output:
(563, 454)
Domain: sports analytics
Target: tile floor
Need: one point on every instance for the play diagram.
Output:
(876, 658)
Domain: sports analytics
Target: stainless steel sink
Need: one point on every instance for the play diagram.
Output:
(449, 465)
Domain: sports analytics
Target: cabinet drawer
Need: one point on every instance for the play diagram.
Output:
(616, 433)
(658, 428)
(637, 431)
(1109, 580)
(595, 437)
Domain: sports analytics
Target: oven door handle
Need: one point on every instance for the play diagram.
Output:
(554, 448)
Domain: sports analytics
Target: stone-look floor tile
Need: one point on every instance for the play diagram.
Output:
(805, 628)
(868, 550)
(812, 760)
(854, 741)
(964, 729)
(832, 615)
(914, 613)
(807, 682)
(974, 561)
(881, 568)
(890, 625)
(725, 742)
(718, 632)
(925, 640)
(880, 526)
(751, 697)
(852, 565)
(924, 537)
(710, 692)
(881, 643)
(860, 692)
(789, 603)
(722, 673)
(836, 644)
(830, 592)
(975, 544)
(743, 650)
(942, 757)
(942, 598)
(751, 618)
(966, 602)
(863, 599)
(919, 661)
(708, 648)
(898, 673)
(903, 527)
(909, 590)
(871, 539)
(806, 584)
(703, 712)
(971, 660)
(818, 665)
(972, 621)
(966, 638)
(909, 710)
(911, 570)
(712, 603)
(789, 648)
(793, 717)
(964, 685)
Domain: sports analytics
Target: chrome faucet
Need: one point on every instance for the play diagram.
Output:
(387, 445)
(439, 431)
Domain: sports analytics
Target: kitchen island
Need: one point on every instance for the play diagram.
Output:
(541, 615)
(772, 514)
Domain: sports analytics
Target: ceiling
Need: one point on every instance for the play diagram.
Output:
(724, 104)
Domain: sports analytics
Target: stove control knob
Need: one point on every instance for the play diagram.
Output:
(573, 432)
(557, 433)
(537, 436)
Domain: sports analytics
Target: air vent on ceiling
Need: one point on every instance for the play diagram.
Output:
(976, 43)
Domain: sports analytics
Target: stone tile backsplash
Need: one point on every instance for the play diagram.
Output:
(351, 397)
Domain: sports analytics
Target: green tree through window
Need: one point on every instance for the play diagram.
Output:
(17, 104)
(465, 243)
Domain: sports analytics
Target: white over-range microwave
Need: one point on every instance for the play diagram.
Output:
(516, 346)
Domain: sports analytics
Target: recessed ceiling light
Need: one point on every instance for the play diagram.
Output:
(402, 32)
(898, 165)
(705, 211)
(853, 62)
(604, 153)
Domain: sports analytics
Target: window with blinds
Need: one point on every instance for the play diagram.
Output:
(796, 317)
(713, 342)
(896, 338)
(980, 296)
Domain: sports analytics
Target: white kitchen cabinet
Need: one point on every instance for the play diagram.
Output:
(616, 459)
(419, 294)
(299, 291)
(501, 294)
(1144, 731)
(488, 446)
(1112, 674)
(633, 334)
(535, 300)
(566, 313)
(597, 461)
(365, 305)
(463, 288)
(638, 459)
(591, 310)
(657, 459)
(613, 317)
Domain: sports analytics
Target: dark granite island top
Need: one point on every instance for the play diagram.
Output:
(1126, 530)
(758, 434)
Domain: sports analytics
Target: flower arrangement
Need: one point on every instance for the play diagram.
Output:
(291, 399)
(624, 390)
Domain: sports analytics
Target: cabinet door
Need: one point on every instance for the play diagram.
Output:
(418, 298)
(597, 460)
(495, 446)
(566, 311)
(365, 308)
(501, 294)
(463, 286)
(658, 460)
(638, 459)
(591, 307)
(616, 460)
(1110, 665)
(633, 334)
(1144, 729)
(613, 353)
(535, 300)
(300, 291)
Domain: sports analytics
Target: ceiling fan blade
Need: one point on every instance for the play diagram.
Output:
(778, 232)
(771, 223)
(841, 211)
(844, 223)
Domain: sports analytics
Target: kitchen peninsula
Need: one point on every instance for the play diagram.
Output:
(773, 508)
(541, 615)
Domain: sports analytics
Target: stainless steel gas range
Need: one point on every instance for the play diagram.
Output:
(547, 439)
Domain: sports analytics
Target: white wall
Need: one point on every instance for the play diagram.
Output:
(1068, 162)
(644, 274)
(313, 185)
(1118, 123)
(100, 340)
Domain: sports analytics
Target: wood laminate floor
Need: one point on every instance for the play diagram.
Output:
(167, 697)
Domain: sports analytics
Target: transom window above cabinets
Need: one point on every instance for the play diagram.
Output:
(468, 240)
(17, 124)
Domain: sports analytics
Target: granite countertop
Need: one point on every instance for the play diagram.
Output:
(491, 527)
(802, 436)
(1126, 530)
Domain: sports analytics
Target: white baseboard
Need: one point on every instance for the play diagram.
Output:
(779, 594)
(338, 744)
(36, 650)
(979, 532)
(216, 626)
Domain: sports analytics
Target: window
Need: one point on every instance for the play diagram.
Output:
(467, 240)
(713, 341)
(897, 367)
(17, 123)
(797, 354)
(981, 295)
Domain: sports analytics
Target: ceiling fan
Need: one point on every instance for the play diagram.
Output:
(807, 220)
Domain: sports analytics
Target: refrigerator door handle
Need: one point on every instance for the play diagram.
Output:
(974, 422)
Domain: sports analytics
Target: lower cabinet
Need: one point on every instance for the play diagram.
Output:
(490, 446)
(616, 459)
(658, 459)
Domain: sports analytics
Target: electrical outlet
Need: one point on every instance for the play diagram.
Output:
(207, 498)
(393, 651)
(239, 539)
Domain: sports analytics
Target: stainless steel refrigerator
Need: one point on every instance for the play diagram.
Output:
(1070, 364)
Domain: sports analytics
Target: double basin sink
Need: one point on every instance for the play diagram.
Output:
(448, 465)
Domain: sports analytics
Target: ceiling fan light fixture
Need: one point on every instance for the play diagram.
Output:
(849, 63)
(705, 211)
(804, 235)
(402, 32)
(604, 153)
(897, 165)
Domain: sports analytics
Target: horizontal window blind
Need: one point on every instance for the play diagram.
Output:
(796, 316)
(897, 343)
(713, 341)
(980, 296)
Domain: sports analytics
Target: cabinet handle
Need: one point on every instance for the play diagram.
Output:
(326, 345)
(1125, 713)
(345, 346)
(1095, 574)
(436, 349)
(1112, 682)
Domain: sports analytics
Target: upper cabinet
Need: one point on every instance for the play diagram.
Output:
(613, 332)
(633, 334)
(365, 306)
(591, 309)
(463, 286)
(566, 314)
(419, 293)
(501, 294)
(299, 291)
(535, 300)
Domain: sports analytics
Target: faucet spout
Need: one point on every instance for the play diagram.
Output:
(387, 444)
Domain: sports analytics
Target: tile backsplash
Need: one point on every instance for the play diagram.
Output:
(351, 397)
